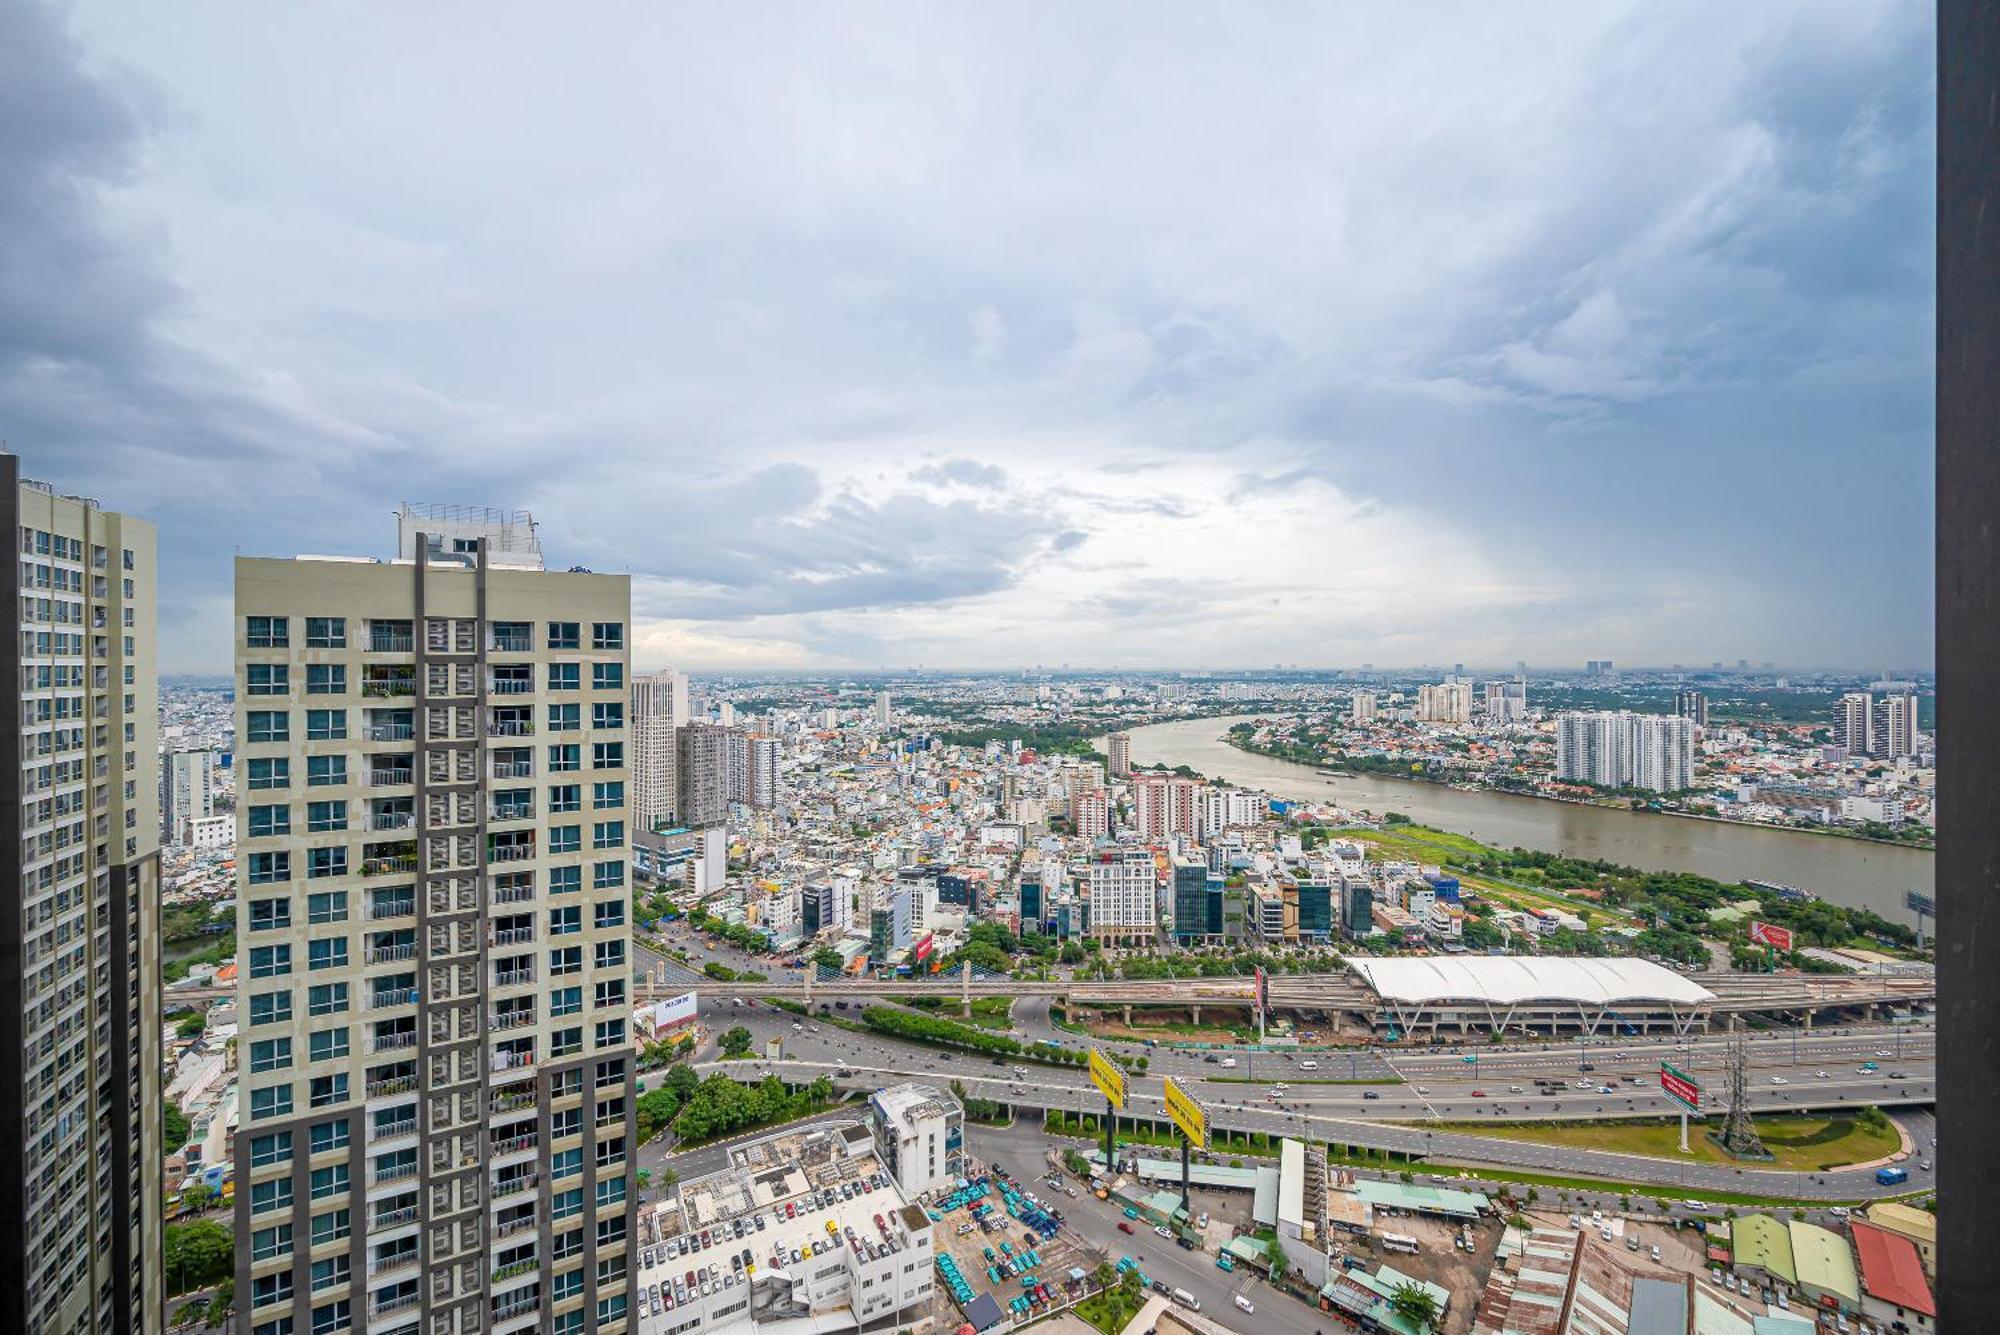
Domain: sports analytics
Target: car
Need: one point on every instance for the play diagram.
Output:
(1245, 1303)
(1655, 1253)
(1867, 1068)
(1513, 1089)
(1211, 1058)
(1924, 1164)
(1478, 1093)
(1424, 1090)
(1583, 1084)
(1631, 1242)
(1125, 1226)
(1201, 1220)
(1779, 1080)
(1370, 1094)
(1576, 1221)
(1898, 1075)
(1838, 1211)
(1163, 1230)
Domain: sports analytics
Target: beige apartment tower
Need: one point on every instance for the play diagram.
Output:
(80, 1154)
(434, 953)
(659, 705)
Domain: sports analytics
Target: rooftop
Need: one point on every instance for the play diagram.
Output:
(1511, 980)
(1891, 1270)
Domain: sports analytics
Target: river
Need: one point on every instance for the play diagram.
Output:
(1843, 871)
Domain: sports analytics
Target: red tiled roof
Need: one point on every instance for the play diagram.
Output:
(1891, 1269)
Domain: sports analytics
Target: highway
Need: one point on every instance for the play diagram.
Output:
(1347, 1115)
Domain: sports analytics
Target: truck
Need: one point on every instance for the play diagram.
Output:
(1889, 1177)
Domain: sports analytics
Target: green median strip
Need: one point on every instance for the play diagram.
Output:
(1302, 1080)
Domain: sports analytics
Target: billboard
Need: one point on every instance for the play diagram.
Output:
(1109, 1077)
(1263, 990)
(1764, 934)
(1188, 1115)
(924, 947)
(670, 1012)
(1680, 1087)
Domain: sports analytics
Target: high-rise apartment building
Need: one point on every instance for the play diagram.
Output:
(1361, 707)
(1616, 749)
(434, 949)
(1118, 748)
(80, 1128)
(1090, 813)
(1894, 727)
(659, 706)
(1692, 705)
(882, 709)
(702, 773)
(1446, 702)
(1507, 701)
(187, 793)
(761, 771)
(1854, 723)
(1165, 804)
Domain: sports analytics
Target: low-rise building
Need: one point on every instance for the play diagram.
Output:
(1894, 1292)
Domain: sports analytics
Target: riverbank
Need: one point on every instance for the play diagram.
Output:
(1852, 873)
(1333, 770)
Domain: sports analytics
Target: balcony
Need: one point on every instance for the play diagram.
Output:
(395, 1084)
(398, 777)
(513, 644)
(513, 811)
(506, 1060)
(391, 643)
(514, 936)
(390, 732)
(392, 908)
(382, 1265)
(512, 977)
(389, 954)
(510, 727)
(386, 1306)
(512, 1019)
(513, 1102)
(388, 690)
(513, 894)
(396, 1218)
(507, 1228)
(519, 1182)
(527, 1140)
(511, 685)
(392, 820)
(392, 1042)
(510, 853)
(401, 1172)
(389, 1131)
(401, 996)
(513, 769)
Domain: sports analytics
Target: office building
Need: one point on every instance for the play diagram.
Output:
(659, 707)
(1361, 707)
(187, 793)
(702, 763)
(1446, 702)
(435, 957)
(1118, 747)
(1122, 888)
(80, 1114)
(1198, 917)
(802, 1230)
(1617, 749)
(1692, 705)
(891, 921)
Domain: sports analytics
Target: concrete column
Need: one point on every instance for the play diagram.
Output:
(1128, 1014)
(1195, 1012)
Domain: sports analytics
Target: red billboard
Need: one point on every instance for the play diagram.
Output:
(923, 950)
(1764, 934)
(1680, 1088)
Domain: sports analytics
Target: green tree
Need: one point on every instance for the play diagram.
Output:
(826, 957)
(223, 1303)
(197, 1254)
(736, 1042)
(198, 1196)
(191, 1024)
(174, 1132)
(1415, 1305)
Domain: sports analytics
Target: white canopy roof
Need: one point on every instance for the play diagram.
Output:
(1511, 980)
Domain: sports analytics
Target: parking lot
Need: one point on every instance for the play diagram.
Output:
(1001, 1243)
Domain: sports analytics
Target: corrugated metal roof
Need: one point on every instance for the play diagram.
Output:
(1509, 980)
(1891, 1269)
(1825, 1261)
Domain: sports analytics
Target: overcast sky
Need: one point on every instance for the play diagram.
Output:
(969, 335)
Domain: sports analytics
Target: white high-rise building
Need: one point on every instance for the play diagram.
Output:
(1894, 734)
(659, 705)
(761, 771)
(882, 709)
(1123, 887)
(1361, 707)
(433, 918)
(80, 1170)
(1446, 702)
(1854, 723)
(187, 793)
(1617, 749)
(1119, 753)
(1506, 701)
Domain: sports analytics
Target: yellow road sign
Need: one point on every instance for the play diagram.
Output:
(1187, 1115)
(1108, 1076)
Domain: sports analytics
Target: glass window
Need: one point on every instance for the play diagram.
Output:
(565, 757)
(328, 1136)
(270, 961)
(266, 678)
(607, 635)
(565, 880)
(274, 1147)
(270, 1054)
(565, 1163)
(565, 718)
(607, 875)
(564, 798)
(607, 755)
(273, 1195)
(270, 1007)
(565, 838)
(324, 862)
(607, 714)
(606, 796)
(607, 834)
(275, 773)
(324, 1045)
(324, 817)
(270, 915)
(326, 632)
(330, 1227)
(275, 1101)
(269, 868)
(610, 954)
(326, 725)
(268, 725)
(565, 635)
(565, 1001)
(328, 1090)
(565, 920)
(266, 821)
(564, 676)
(326, 679)
(326, 771)
(329, 1272)
(329, 1181)
(326, 999)
(566, 959)
(607, 676)
(326, 906)
(327, 953)
(564, 1204)
(267, 632)
(266, 1243)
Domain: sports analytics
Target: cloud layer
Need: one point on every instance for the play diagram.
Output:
(1136, 335)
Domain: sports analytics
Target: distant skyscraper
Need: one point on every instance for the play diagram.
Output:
(80, 1154)
(1894, 731)
(187, 793)
(1615, 749)
(1124, 897)
(1164, 804)
(1119, 746)
(882, 709)
(433, 911)
(1506, 701)
(702, 773)
(1361, 707)
(659, 706)
(761, 781)
(1854, 723)
(1692, 705)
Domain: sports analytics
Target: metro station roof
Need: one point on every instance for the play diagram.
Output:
(1512, 980)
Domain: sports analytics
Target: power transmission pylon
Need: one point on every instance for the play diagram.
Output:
(1738, 1137)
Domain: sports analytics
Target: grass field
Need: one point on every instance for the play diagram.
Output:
(1798, 1144)
(1111, 1310)
(1421, 843)
(987, 1012)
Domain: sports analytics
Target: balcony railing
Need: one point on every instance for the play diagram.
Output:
(395, 1084)
(514, 769)
(394, 864)
(390, 1130)
(395, 1173)
(513, 977)
(392, 644)
(389, 954)
(513, 894)
(514, 936)
(400, 996)
(513, 644)
(391, 732)
(512, 1061)
(392, 908)
(383, 1307)
(391, 778)
(509, 727)
(382, 1265)
(527, 1140)
(519, 1182)
(513, 1019)
(507, 1228)
(384, 690)
(392, 820)
(510, 853)
(504, 1103)
(512, 685)
(396, 1218)
(392, 1042)
(514, 811)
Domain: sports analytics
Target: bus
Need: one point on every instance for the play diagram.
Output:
(1399, 1242)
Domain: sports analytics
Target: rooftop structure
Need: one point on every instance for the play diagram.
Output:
(1542, 994)
(1892, 1277)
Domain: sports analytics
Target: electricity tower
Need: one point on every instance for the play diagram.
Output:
(1738, 1137)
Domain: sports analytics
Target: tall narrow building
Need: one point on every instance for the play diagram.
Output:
(434, 948)
(80, 1127)
(187, 793)
(659, 706)
(702, 773)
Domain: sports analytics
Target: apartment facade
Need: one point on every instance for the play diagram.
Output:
(80, 1151)
(434, 960)
(702, 772)
(659, 706)
(1616, 749)
(187, 793)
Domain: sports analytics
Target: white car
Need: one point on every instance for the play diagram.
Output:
(1245, 1303)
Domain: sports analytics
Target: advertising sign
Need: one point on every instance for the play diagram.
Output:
(1764, 934)
(925, 946)
(1108, 1076)
(1680, 1087)
(671, 1011)
(1188, 1115)
(1263, 990)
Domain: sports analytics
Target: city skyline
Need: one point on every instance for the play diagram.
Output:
(970, 348)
